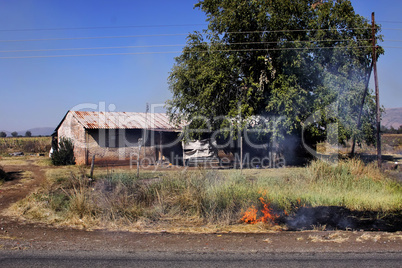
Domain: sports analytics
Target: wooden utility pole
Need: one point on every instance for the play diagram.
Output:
(377, 95)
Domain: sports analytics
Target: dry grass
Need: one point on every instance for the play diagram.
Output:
(203, 200)
(336, 237)
(7, 237)
(14, 161)
(25, 144)
(367, 236)
(394, 236)
(43, 162)
(392, 143)
(25, 160)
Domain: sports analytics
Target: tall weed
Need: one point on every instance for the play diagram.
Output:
(215, 197)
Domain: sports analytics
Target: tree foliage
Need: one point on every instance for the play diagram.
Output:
(14, 134)
(64, 154)
(281, 58)
(28, 134)
(3, 134)
(391, 130)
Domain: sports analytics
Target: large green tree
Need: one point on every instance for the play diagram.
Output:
(285, 58)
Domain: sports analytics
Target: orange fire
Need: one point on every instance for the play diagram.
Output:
(250, 216)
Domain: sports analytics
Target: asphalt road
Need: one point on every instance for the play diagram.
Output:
(177, 259)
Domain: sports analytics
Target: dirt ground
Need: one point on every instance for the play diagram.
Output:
(17, 234)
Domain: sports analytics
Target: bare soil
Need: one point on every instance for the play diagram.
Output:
(17, 234)
(14, 189)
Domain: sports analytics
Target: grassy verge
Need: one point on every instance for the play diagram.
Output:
(206, 197)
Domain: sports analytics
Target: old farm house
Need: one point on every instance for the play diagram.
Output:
(121, 137)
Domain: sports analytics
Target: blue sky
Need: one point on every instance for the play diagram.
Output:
(37, 92)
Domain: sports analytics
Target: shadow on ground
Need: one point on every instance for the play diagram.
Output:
(13, 175)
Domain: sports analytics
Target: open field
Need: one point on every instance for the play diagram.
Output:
(355, 194)
(27, 145)
(392, 143)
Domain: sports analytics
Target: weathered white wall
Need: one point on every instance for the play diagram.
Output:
(70, 128)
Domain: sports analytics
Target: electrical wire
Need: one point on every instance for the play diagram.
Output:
(175, 52)
(391, 47)
(177, 34)
(393, 29)
(102, 27)
(94, 37)
(131, 26)
(86, 48)
(179, 45)
(385, 21)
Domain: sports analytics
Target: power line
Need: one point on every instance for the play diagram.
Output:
(94, 37)
(391, 47)
(147, 26)
(393, 29)
(179, 45)
(388, 40)
(174, 52)
(87, 55)
(387, 21)
(102, 27)
(85, 48)
(177, 34)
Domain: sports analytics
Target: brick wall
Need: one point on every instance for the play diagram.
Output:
(117, 146)
(70, 128)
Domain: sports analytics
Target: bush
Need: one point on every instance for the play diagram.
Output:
(64, 154)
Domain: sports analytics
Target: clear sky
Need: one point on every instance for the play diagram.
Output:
(38, 91)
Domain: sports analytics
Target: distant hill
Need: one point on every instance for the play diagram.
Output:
(39, 131)
(392, 117)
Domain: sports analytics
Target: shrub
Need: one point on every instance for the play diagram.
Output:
(64, 154)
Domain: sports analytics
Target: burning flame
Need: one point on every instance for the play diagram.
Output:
(250, 216)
